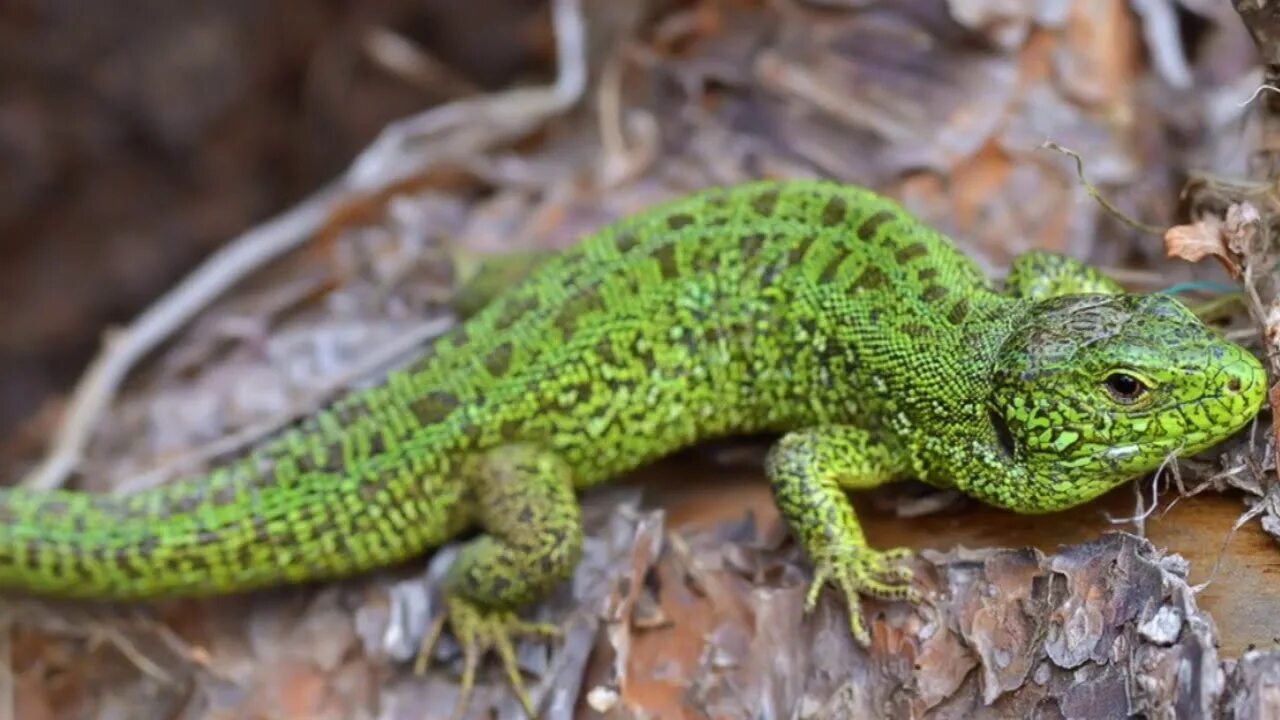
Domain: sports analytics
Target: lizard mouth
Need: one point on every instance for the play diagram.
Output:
(1215, 419)
(1088, 475)
(1119, 454)
(1148, 454)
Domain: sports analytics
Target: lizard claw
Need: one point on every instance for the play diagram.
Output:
(480, 630)
(860, 570)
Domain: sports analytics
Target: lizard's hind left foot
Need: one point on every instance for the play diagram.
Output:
(478, 631)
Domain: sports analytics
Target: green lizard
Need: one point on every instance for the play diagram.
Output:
(819, 312)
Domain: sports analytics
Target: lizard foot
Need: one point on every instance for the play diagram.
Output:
(480, 630)
(860, 570)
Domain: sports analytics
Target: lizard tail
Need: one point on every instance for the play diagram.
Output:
(235, 529)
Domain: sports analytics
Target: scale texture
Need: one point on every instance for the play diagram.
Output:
(820, 312)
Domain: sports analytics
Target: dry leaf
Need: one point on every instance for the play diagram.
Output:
(1241, 227)
(1204, 237)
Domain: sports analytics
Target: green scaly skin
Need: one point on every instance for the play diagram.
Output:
(820, 312)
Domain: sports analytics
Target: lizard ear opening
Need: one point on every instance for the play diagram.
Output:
(1003, 436)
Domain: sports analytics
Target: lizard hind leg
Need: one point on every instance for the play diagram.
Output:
(532, 540)
(1039, 275)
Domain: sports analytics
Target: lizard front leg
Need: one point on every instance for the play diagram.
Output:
(810, 471)
(532, 540)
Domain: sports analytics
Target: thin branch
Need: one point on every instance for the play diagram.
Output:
(1256, 92)
(121, 642)
(1097, 194)
(1240, 522)
(1160, 30)
(407, 145)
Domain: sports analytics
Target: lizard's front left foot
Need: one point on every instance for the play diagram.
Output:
(857, 570)
(478, 631)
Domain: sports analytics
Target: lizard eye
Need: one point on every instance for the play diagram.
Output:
(1124, 387)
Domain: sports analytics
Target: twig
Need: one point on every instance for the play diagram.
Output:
(802, 81)
(1256, 92)
(619, 161)
(1141, 513)
(405, 146)
(1160, 30)
(1212, 481)
(389, 159)
(1097, 194)
(121, 642)
(1245, 517)
(409, 61)
(88, 626)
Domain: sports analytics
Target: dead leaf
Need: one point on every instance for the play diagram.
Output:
(1204, 237)
(1241, 227)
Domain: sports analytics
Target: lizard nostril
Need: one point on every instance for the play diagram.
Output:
(1234, 384)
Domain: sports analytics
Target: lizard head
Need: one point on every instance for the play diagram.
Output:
(1091, 390)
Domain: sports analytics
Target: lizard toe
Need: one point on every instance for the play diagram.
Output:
(861, 571)
(479, 631)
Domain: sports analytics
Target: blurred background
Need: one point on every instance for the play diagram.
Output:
(138, 136)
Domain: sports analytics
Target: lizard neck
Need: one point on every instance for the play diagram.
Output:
(874, 356)
(920, 382)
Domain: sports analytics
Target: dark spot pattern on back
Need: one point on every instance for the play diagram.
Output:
(581, 393)
(666, 258)
(456, 337)
(959, 312)
(934, 293)
(513, 310)
(796, 255)
(832, 269)
(606, 352)
(765, 203)
(868, 228)
(751, 244)
(586, 301)
(626, 240)
(835, 212)
(434, 406)
(911, 252)
(329, 457)
(498, 361)
(679, 220)
(871, 278)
